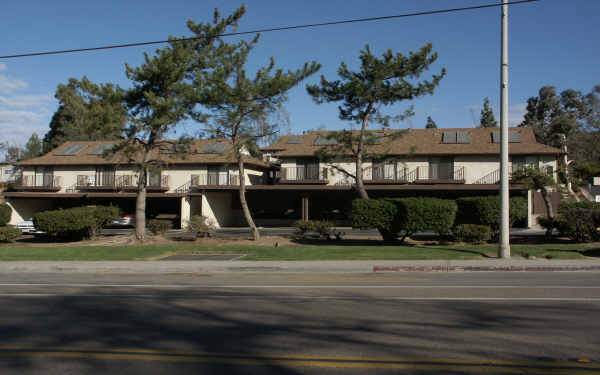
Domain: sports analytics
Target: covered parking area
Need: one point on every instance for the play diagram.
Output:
(158, 205)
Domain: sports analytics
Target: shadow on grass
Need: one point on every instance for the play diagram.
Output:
(595, 252)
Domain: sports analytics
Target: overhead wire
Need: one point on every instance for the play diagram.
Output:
(266, 30)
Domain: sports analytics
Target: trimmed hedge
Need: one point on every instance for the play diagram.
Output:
(472, 233)
(404, 215)
(77, 222)
(160, 226)
(9, 233)
(486, 211)
(5, 213)
(373, 213)
(421, 214)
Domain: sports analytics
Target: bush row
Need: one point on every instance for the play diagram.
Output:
(9, 233)
(77, 222)
(406, 216)
(157, 226)
(324, 228)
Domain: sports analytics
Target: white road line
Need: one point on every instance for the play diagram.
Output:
(534, 299)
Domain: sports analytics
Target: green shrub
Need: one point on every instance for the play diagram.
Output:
(304, 226)
(578, 222)
(160, 226)
(421, 214)
(77, 222)
(198, 224)
(373, 213)
(5, 213)
(472, 233)
(9, 233)
(323, 227)
(486, 211)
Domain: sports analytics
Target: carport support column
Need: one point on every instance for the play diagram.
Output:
(305, 207)
(185, 211)
(530, 208)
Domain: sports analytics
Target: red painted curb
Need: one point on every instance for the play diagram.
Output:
(481, 268)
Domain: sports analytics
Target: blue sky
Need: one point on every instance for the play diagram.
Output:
(552, 42)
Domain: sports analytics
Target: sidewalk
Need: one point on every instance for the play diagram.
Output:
(363, 266)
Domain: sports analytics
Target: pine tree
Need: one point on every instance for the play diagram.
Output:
(487, 115)
(238, 105)
(430, 123)
(87, 112)
(33, 147)
(379, 82)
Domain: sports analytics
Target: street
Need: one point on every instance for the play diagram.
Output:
(250, 323)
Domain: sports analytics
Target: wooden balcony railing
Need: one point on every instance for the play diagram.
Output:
(383, 175)
(215, 179)
(40, 182)
(436, 174)
(304, 174)
(100, 181)
(130, 181)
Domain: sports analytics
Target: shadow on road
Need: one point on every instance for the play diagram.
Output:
(233, 322)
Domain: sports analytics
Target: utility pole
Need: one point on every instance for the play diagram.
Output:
(504, 248)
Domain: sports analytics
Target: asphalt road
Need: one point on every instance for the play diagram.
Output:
(389, 323)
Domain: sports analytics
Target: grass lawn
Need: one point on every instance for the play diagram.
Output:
(307, 252)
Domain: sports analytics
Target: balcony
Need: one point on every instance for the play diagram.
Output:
(40, 182)
(101, 181)
(437, 174)
(215, 179)
(158, 183)
(303, 175)
(390, 176)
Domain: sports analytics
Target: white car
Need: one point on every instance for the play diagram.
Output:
(27, 227)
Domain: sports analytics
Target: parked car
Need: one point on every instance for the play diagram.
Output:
(27, 227)
(124, 221)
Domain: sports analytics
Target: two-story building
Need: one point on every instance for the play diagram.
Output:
(420, 162)
(294, 184)
(77, 173)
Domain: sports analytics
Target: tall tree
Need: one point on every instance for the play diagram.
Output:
(33, 147)
(430, 123)
(552, 115)
(13, 154)
(379, 82)
(487, 115)
(155, 103)
(236, 101)
(87, 112)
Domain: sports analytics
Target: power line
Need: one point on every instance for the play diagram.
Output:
(370, 19)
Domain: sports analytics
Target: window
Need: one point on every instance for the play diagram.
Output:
(441, 168)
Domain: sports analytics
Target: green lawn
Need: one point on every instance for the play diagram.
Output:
(308, 252)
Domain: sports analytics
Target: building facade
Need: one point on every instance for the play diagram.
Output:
(289, 184)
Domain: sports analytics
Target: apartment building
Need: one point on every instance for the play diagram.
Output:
(77, 173)
(292, 184)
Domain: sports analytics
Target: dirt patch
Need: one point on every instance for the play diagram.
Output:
(123, 240)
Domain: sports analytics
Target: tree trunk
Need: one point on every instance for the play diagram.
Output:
(140, 208)
(548, 210)
(247, 215)
(360, 186)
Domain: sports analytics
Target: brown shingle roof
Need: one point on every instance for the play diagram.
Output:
(426, 142)
(193, 157)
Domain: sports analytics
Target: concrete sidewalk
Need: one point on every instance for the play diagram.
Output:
(362, 266)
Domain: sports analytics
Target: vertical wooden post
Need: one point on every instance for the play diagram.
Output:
(305, 207)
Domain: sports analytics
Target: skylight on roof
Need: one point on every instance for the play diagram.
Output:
(214, 148)
(71, 150)
(513, 137)
(324, 141)
(294, 140)
(100, 149)
(449, 137)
